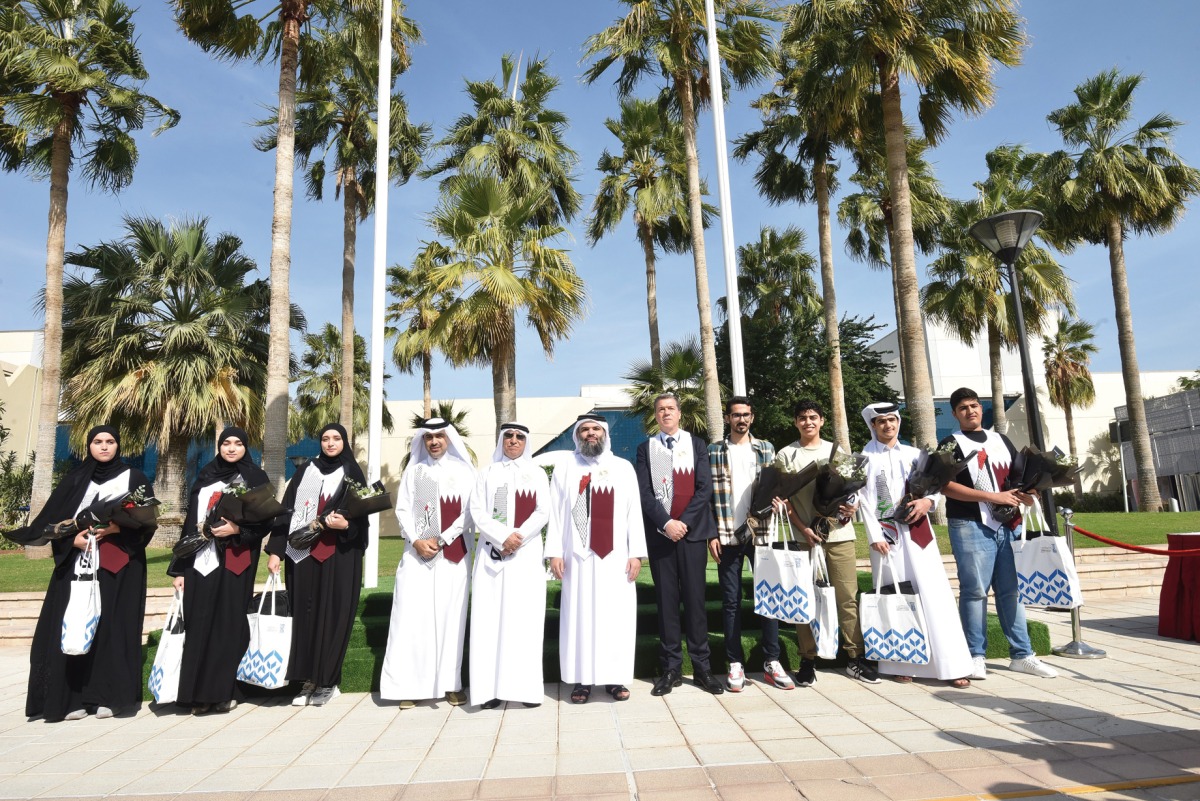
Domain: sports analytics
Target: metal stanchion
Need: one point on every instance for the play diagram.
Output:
(1076, 648)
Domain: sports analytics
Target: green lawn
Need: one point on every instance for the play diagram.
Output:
(18, 574)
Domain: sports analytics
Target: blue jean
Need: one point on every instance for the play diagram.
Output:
(985, 561)
(729, 574)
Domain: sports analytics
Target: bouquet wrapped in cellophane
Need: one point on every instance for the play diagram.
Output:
(1035, 470)
(238, 503)
(838, 480)
(360, 500)
(774, 481)
(932, 472)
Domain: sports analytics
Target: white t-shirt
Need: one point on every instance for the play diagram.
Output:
(743, 469)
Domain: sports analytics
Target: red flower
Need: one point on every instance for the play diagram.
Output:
(583, 482)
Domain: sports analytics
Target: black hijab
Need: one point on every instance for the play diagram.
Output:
(220, 470)
(64, 500)
(345, 459)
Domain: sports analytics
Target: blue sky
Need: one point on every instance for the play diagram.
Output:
(207, 166)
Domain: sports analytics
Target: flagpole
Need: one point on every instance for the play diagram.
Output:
(379, 278)
(736, 360)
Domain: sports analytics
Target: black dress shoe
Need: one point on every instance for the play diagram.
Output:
(707, 682)
(492, 704)
(667, 682)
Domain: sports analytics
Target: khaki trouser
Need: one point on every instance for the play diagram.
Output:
(843, 574)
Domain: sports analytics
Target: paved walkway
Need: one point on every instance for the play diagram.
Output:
(1125, 727)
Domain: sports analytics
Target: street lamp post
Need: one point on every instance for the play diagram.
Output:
(1006, 235)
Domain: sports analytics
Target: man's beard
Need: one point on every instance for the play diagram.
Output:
(592, 449)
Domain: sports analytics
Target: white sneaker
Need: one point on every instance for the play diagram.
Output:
(76, 714)
(305, 694)
(103, 713)
(737, 677)
(775, 675)
(323, 695)
(1033, 666)
(979, 671)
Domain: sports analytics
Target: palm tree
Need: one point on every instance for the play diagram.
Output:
(516, 138)
(650, 174)
(867, 214)
(411, 319)
(1115, 179)
(164, 336)
(682, 372)
(967, 292)
(266, 30)
(497, 259)
(669, 37)
(775, 276)
(799, 115)
(71, 79)
(334, 121)
(948, 49)
(455, 417)
(319, 392)
(1067, 354)
(506, 192)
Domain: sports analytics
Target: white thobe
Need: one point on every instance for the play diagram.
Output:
(508, 595)
(949, 657)
(429, 605)
(597, 628)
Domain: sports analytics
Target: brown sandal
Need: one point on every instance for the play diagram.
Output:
(903, 679)
(961, 684)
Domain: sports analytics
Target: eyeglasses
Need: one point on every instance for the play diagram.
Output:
(741, 415)
(514, 435)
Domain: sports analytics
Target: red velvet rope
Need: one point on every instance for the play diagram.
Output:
(1138, 548)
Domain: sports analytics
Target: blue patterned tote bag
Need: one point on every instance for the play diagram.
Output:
(893, 625)
(783, 577)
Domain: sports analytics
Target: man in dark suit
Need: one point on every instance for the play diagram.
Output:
(675, 483)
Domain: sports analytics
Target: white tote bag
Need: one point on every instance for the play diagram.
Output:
(893, 625)
(164, 675)
(266, 659)
(83, 608)
(783, 586)
(825, 620)
(1046, 574)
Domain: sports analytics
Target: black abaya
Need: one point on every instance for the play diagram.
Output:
(214, 606)
(324, 596)
(110, 674)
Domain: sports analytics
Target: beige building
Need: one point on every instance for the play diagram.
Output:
(954, 364)
(20, 388)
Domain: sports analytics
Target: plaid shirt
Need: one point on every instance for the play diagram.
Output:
(718, 461)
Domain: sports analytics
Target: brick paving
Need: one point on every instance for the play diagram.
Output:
(1125, 727)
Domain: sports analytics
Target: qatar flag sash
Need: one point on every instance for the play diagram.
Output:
(673, 471)
(987, 470)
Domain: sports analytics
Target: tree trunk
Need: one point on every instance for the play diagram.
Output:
(837, 396)
(427, 382)
(999, 417)
(275, 436)
(918, 395)
(1139, 431)
(349, 243)
(647, 242)
(887, 226)
(56, 243)
(708, 342)
(1070, 416)
(504, 376)
(171, 485)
